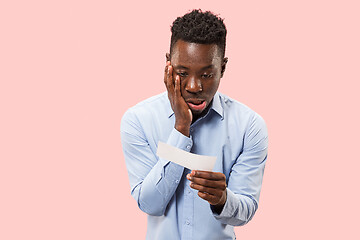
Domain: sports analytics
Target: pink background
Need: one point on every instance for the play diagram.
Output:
(70, 69)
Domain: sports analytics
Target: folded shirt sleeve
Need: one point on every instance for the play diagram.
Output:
(245, 180)
(153, 180)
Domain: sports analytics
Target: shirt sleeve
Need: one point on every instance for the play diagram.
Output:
(244, 183)
(153, 180)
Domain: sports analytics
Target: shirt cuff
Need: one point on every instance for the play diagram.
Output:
(230, 208)
(179, 140)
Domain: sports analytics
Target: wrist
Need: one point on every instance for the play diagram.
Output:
(184, 129)
(220, 206)
(217, 208)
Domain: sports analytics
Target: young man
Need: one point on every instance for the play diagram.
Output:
(191, 115)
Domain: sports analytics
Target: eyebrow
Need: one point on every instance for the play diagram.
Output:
(183, 67)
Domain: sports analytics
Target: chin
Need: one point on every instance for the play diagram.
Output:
(197, 114)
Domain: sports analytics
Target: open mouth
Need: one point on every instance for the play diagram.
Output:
(197, 105)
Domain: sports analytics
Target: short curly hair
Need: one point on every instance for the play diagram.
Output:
(199, 27)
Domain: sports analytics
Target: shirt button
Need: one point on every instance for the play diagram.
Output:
(177, 181)
(188, 146)
(187, 222)
(189, 192)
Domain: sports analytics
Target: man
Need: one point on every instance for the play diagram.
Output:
(191, 115)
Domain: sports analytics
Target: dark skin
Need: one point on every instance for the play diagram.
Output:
(192, 77)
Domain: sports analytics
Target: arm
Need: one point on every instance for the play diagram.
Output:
(153, 180)
(237, 203)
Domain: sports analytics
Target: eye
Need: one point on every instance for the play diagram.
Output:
(182, 74)
(207, 75)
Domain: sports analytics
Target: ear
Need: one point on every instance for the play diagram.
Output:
(223, 66)
(167, 57)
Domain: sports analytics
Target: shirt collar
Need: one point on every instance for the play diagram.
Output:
(215, 105)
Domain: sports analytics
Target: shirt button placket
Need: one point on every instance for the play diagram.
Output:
(188, 211)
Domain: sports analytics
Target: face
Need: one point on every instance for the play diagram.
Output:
(200, 67)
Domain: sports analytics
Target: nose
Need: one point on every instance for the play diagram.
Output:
(193, 85)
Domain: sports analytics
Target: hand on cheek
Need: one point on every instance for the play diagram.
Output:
(183, 115)
(211, 186)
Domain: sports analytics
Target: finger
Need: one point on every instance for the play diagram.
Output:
(166, 71)
(169, 79)
(213, 200)
(217, 184)
(212, 191)
(165, 75)
(208, 175)
(177, 86)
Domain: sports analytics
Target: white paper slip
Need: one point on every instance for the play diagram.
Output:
(185, 159)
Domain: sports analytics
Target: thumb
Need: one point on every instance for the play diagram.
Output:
(190, 114)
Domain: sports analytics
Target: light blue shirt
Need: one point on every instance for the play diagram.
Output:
(231, 131)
